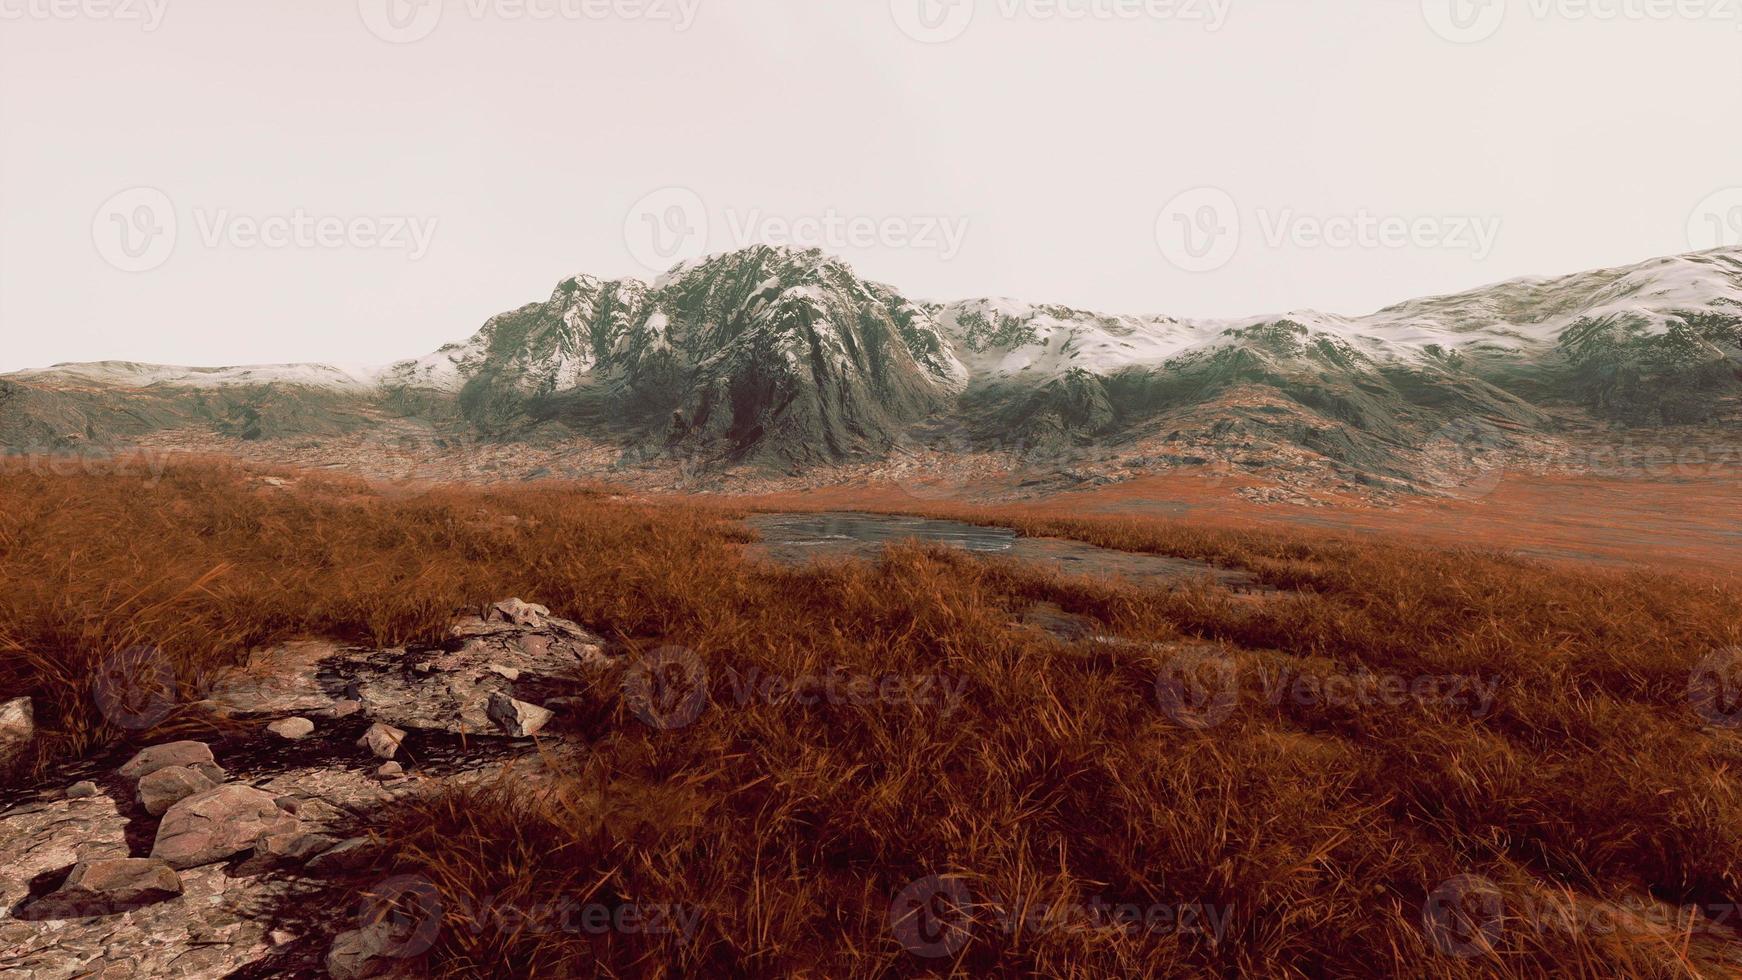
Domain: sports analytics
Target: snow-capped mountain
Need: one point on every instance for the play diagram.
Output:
(786, 356)
(760, 352)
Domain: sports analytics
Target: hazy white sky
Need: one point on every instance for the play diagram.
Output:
(363, 180)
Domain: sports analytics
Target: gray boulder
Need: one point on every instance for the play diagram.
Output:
(519, 613)
(295, 846)
(17, 725)
(343, 708)
(367, 952)
(347, 855)
(194, 755)
(105, 887)
(383, 740)
(164, 788)
(292, 728)
(218, 823)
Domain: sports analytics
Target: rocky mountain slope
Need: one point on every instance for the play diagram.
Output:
(787, 359)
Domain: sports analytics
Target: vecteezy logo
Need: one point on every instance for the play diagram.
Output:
(135, 230)
(667, 689)
(1464, 916)
(1717, 221)
(1476, 467)
(1199, 230)
(932, 21)
(1198, 688)
(664, 225)
(932, 917)
(134, 688)
(1464, 21)
(401, 21)
(405, 912)
(1715, 688)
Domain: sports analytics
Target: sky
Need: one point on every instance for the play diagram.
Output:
(357, 181)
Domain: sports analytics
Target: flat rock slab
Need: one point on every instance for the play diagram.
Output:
(446, 689)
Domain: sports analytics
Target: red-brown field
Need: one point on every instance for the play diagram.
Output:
(1409, 760)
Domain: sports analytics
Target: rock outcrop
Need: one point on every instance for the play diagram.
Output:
(241, 869)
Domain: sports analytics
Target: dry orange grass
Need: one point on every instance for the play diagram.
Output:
(1300, 835)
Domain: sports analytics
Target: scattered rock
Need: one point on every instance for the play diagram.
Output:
(215, 929)
(292, 728)
(390, 770)
(383, 740)
(213, 825)
(108, 886)
(17, 725)
(194, 755)
(344, 708)
(368, 952)
(347, 855)
(164, 788)
(519, 613)
(517, 718)
(82, 789)
(510, 673)
(294, 846)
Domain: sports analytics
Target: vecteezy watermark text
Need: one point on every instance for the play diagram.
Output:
(300, 229)
(403, 917)
(146, 13)
(939, 21)
(1202, 230)
(1201, 687)
(1470, 916)
(137, 230)
(669, 689)
(674, 222)
(936, 916)
(1472, 21)
(406, 21)
(146, 464)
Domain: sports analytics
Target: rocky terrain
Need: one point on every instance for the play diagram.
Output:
(781, 364)
(239, 854)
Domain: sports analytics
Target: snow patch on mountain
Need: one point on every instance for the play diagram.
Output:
(1003, 338)
(131, 374)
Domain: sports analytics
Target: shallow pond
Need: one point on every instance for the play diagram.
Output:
(795, 539)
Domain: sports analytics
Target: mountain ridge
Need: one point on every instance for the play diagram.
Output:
(788, 358)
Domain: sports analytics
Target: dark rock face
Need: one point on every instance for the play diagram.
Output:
(762, 354)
